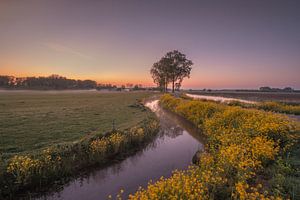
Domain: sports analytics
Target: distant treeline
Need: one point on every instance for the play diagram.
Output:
(261, 89)
(269, 89)
(54, 82)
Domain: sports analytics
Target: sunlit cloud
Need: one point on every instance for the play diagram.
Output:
(66, 49)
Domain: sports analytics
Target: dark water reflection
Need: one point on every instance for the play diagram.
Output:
(172, 149)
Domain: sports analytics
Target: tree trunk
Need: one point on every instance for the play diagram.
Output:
(166, 86)
(173, 83)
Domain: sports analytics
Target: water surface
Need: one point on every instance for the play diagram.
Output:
(173, 149)
(218, 98)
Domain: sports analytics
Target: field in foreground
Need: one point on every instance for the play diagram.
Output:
(34, 120)
(79, 124)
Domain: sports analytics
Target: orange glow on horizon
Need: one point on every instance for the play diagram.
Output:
(114, 80)
(195, 82)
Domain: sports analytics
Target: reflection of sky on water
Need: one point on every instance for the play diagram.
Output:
(218, 98)
(172, 149)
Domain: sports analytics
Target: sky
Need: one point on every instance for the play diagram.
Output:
(233, 43)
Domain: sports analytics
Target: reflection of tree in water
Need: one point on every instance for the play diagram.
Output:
(169, 120)
(168, 126)
(172, 132)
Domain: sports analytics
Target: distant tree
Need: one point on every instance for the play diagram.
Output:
(6, 81)
(179, 67)
(172, 68)
(129, 85)
(177, 86)
(20, 82)
(136, 87)
(160, 75)
(288, 89)
(53, 82)
(90, 84)
(106, 86)
(265, 89)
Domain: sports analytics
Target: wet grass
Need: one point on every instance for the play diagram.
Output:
(34, 120)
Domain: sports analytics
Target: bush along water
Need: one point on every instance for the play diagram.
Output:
(246, 157)
(23, 173)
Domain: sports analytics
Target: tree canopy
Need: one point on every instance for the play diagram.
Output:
(172, 68)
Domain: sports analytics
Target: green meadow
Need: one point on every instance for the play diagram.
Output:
(32, 120)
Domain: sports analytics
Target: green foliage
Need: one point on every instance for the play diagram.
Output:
(172, 68)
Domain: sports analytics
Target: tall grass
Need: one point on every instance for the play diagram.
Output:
(246, 155)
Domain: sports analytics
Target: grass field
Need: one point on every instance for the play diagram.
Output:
(33, 120)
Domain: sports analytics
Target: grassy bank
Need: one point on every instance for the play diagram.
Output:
(248, 155)
(48, 137)
(32, 120)
(23, 174)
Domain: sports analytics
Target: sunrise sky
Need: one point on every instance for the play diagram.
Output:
(233, 44)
